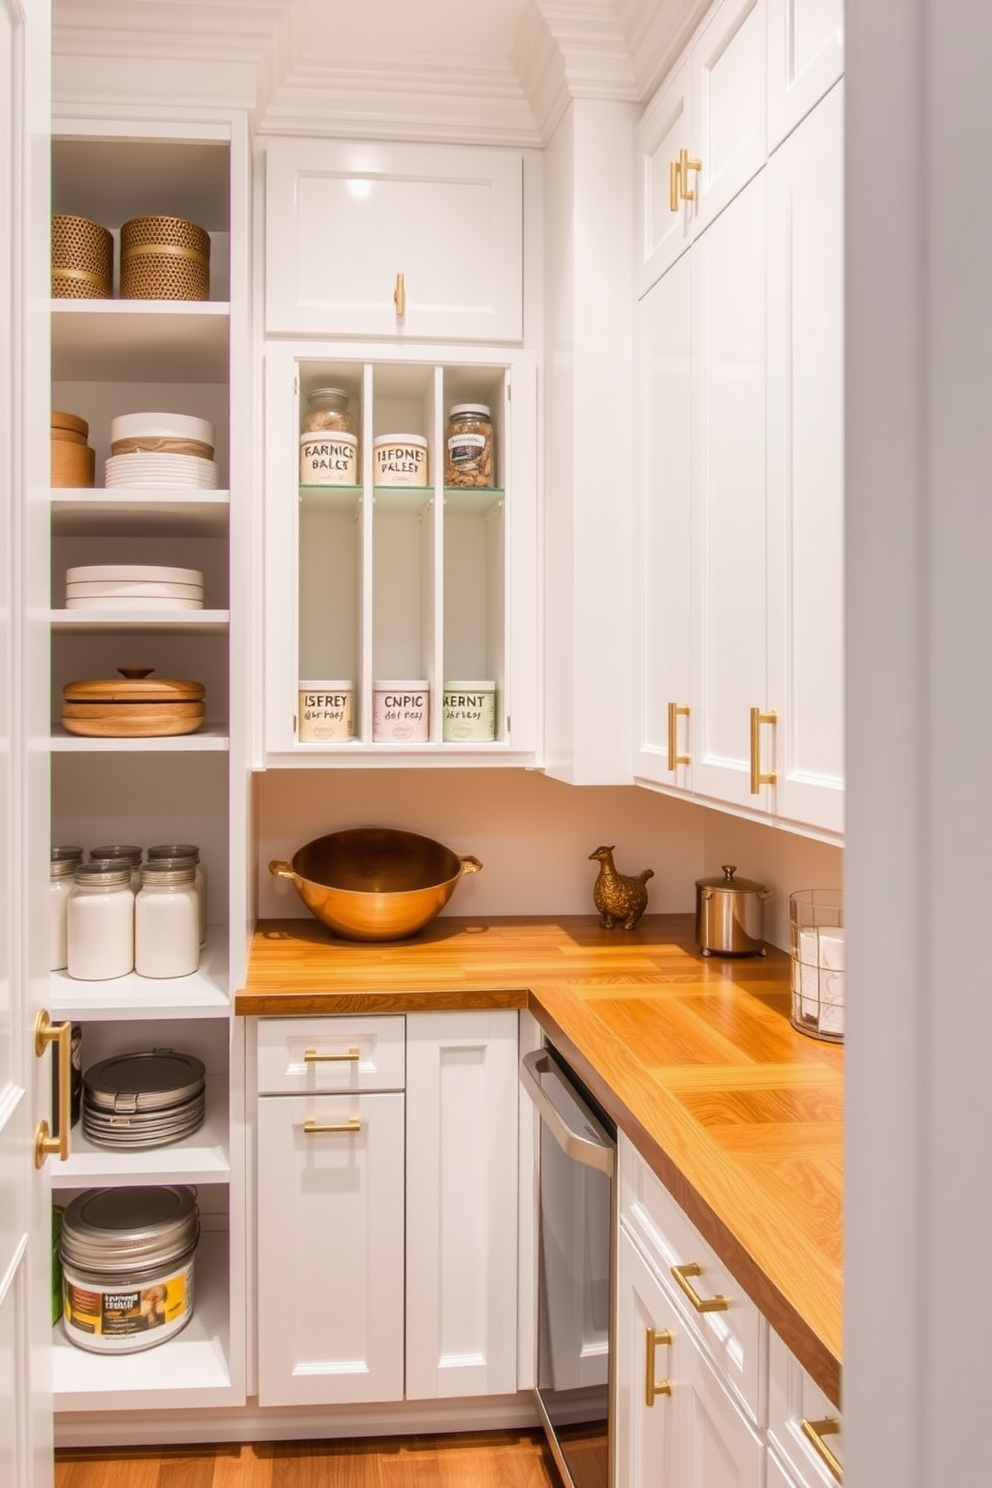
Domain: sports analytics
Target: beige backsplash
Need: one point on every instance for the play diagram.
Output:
(782, 861)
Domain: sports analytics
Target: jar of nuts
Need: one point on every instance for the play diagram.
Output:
(328, 409)
(468, 446)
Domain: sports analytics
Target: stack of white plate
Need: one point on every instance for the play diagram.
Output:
(161, 450)
(133, 586)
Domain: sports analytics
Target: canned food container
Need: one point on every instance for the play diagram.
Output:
(400, 712)
(469, 712)
(328, 458)
(399, 460)
(127, 1267)
(324, 714)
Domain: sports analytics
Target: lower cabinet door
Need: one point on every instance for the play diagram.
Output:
(647, 1407)
(718, 1447)
(330, 1249)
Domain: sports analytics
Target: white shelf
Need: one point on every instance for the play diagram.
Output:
(200, 1158)
(403, 756)
(122, 512)
(213, 738)
(140, 340)
(186, 1370)
(177, 622)
(202, 995)
(346, 499)
(472, 501)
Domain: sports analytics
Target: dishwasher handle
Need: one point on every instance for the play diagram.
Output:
(592, 1147)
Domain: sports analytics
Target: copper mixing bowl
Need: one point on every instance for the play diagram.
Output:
(374, 883)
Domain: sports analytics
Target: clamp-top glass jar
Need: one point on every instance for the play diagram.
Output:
(328, 409)
(468, 446)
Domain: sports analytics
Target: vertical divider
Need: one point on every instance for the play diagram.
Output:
(363, 683)
(437, 476)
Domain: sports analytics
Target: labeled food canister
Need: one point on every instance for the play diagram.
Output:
(400, 712)
(468, 446)
(329, 459)
(127, 1267)
(399, 460)
(327, 409)
(469, 712)
(325, 712)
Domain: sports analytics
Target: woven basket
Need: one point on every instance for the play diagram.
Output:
(164, 258)
(82, 259)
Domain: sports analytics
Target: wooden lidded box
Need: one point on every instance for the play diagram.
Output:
(134, 705)
(73, 461)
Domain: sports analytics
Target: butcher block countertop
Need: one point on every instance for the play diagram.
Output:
(739, 1115)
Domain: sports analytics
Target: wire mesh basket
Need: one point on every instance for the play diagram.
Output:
(816, 925)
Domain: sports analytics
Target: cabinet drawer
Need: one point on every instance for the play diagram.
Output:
(798, 1412)
(307, 1055)
(735, 1336)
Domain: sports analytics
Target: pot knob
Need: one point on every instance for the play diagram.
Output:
(729, 869)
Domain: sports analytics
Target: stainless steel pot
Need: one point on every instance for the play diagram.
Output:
(730, 915)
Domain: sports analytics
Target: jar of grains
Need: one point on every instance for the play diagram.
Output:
(167, 919)
(100, 922)
(328, 409)
(468, 446)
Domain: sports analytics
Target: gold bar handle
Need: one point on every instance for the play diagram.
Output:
(653, 1387)
(45, 1143)
(814, 1432)
(399, 295)
(315, 1128)
(675, 712)
(701, 1304)
(760, 777)
(685, 166)
(674, 184)
(310, 1056)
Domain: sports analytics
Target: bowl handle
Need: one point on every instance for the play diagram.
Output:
(470, 864)
(279, 868)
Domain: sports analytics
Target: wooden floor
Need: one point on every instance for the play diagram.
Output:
(484, 1460)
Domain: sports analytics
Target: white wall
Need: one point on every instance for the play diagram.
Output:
(533, 834)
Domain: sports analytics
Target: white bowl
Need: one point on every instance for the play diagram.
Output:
(132, 588)
(132, 603)
(117, 573)
(161, 426)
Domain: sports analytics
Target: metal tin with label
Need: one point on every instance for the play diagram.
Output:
(325, 714)
(400, 712)
(469, 712)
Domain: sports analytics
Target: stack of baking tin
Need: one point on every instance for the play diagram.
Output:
(148, 1099)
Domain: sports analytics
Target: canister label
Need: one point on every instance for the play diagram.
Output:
(400, 714)
(328, 459)
(399, 463)
(325, 712)
(469, 713)
(95, 1312)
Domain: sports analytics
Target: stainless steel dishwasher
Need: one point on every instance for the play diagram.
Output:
(576, 1226)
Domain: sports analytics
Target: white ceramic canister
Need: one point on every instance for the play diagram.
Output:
(61, 880)
(167, 920)
(328, 458)
(100, 922)
(325, 712)
(399, 460)
(400, 712)
(469, 712)
(187, 852)
(127, 1267)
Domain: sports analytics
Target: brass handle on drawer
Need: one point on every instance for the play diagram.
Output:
(45, 1143)
(310, 1056)
(315, 1128)
(399, 295)
(675, 712)
(760, 777)
(654, 1388)
(815, 1431)
(701, 1304)
(674, 184)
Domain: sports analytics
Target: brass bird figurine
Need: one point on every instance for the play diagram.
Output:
(619, 898)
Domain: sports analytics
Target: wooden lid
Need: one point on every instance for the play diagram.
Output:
(71, 421)
(135, 685)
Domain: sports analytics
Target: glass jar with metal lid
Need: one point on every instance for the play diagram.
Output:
(327, 408)
(127, 1267)
(183, 851)
(100, 922)
(125, 852)
(468, 446)
(60, 874)
(167, 919)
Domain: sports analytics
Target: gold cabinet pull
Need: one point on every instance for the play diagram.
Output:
(315, 1128)
(653, 1387)
(310, 1056)
(674, 184)
(701, 1304)
(675, 712)
(685, 166)
(760, 777)
(814, 1432)
(399, 295)
(47, 1033)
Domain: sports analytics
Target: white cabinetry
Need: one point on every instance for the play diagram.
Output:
(370, 238)
(110, 357)
(387, 1216)
(740, 685)
(803, 1425)
(369, 582)
(805, 59)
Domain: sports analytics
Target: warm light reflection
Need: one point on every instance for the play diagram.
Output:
(359, 187)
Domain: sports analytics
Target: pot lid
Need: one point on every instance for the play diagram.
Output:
(151, 1080)
(71, 421)
(729, 884)
(136, 685)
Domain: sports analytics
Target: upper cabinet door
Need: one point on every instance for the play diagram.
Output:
(805, 59)
(377, 239)
(727, 144)
(664, 226)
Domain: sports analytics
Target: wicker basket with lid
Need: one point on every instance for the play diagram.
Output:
(164, 258)
(82, 259)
